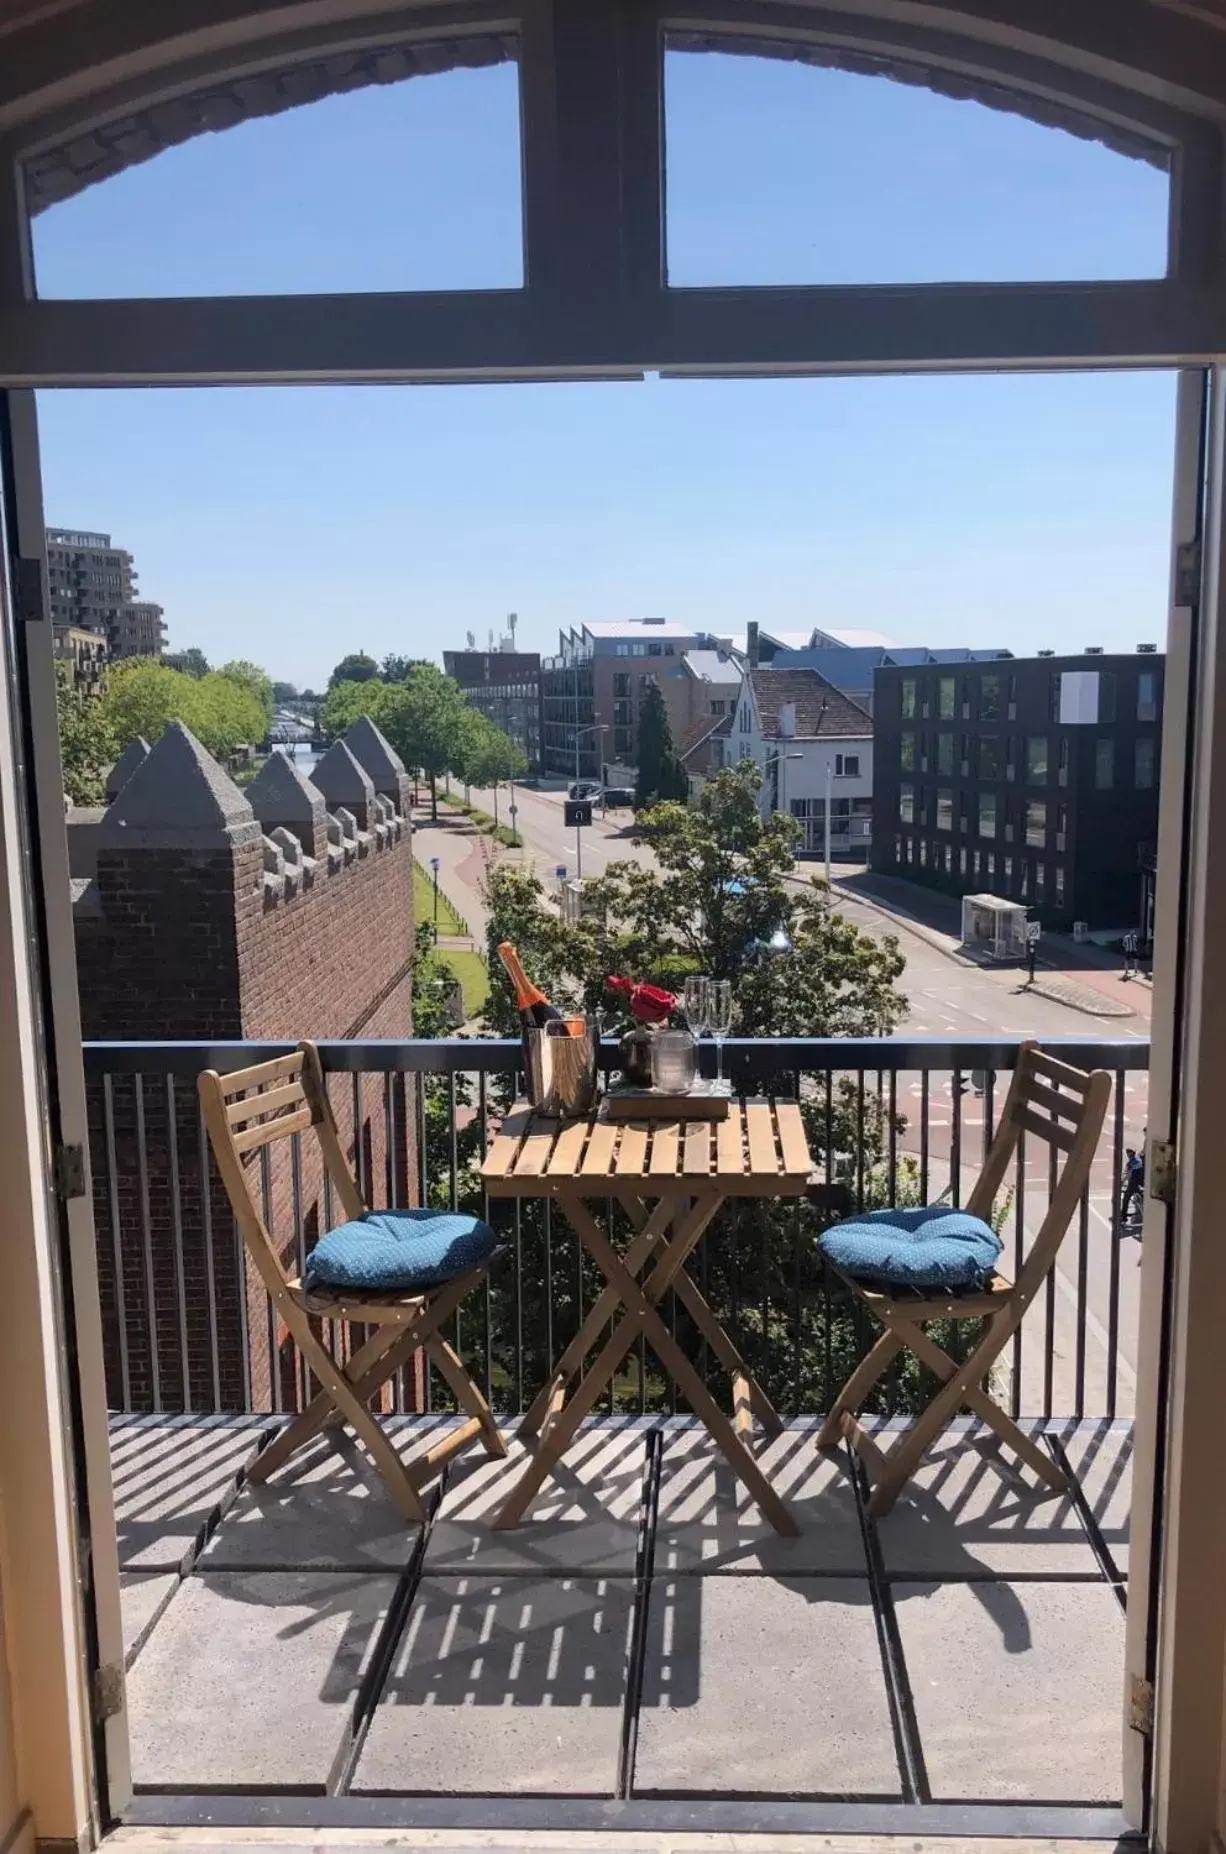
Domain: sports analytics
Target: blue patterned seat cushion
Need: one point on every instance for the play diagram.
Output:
(932, 1247)
(389, 1250)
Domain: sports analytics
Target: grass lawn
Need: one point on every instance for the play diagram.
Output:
(449, 921)
(469, 968)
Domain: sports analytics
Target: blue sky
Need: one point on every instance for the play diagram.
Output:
(291, 525)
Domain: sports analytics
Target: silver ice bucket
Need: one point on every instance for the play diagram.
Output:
(562, 1069)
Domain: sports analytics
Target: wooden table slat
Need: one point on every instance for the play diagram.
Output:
(665, 1139)
(730, 1144)
(632, 1153)
(505, 1144)
(567, 1153)
(536, 1148)
(598, 1159)
(697, 1149)
(763, 1159)
(792, 1142)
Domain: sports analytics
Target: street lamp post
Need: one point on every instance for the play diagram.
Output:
(595, 727)
(434, 873)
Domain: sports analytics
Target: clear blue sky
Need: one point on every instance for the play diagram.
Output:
(293, 525)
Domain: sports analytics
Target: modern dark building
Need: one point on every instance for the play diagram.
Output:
(1035, 779)
(506, 686)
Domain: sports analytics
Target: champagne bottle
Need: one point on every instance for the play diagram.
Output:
(535, 1010)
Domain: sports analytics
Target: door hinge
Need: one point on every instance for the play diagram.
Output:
(108, 1691)
(1141, 1706)
(1187, 573)
(1161, 1169)
(69, 1173)
(28, 590)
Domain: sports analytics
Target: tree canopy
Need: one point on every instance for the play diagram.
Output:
(430, 724)
(356, 667)
(191, 662)
(660, 773)
(719, 901)
(223, 709)
(87, 742)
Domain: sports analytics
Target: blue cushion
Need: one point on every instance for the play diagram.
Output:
(933, 1247)
(399, 1249)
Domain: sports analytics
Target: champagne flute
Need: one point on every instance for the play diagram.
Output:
(718, 1014)
(694, 1004)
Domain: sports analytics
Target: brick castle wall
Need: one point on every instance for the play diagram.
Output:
(202, 943)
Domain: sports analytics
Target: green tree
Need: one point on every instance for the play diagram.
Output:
(357, 667)
(142, 696)
(660, 773)
(424, 717)
(87, 743)
(396, 668)
(191, 662)
(490, 756)
(283, 692)
(251, 676)
(346, 701)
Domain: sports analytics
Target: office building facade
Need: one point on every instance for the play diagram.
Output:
(92, 586)
(506, 686)
(1034, 779)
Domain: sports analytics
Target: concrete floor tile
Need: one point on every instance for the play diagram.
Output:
(707, 1520)
(972, 1508)
(1018, 1689)
(764, 1685)
(1100, 1455)
(141, 1595)
(584, 1519)
(326, 1509)
(168, 1480)
(504, 1686)
(249, 1680)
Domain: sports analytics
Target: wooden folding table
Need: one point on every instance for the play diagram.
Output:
(670, 1177)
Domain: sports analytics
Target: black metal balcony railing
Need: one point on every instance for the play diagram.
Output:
(187, 1327)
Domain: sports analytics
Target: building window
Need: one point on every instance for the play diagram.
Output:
(945, 810)
(1006, 873)
(1106, 696)
(987, 814)
(989, 865)
(1036, 823)
(1059, 875)
(717, 708)
(945, 753)
(947, 695)
(1023, 879)
(1036, 759)
(1061, 827)
(1143, 769)
(746, 751)
(991, 758)
(923, 850)
(989, 698)
(623, 650)
(906, 804)
(745, 723)
(1062, 761)
(1039, 881)
(1012, 698)
(964, 860)
(906, 752)
(1147, 696)
(655, 650)
(1104, 765)
(964, 755)
(1053, 696)
(847, 765)
(638, 650)
(908, 698)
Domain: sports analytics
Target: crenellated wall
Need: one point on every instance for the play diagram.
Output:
(213, 913)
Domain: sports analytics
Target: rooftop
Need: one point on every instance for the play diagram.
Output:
(713, 666)
(821, 709)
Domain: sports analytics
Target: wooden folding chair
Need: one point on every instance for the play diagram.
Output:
(1047, 1100)
(248, 1110)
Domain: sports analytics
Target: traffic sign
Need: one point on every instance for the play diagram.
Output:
(1034, 933)
(560, 872)
(434, 864)
(577, 812)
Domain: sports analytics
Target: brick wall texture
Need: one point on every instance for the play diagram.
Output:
(189, 945)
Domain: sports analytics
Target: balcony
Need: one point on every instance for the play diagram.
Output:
(643, 1652)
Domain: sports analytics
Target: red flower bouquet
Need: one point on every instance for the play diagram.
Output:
(648, 1004)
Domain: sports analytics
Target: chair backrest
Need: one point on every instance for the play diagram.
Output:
(251, 1108)
(1051, 1101)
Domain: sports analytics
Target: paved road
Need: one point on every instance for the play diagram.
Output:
(947, 997)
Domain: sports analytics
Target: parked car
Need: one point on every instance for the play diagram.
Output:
(585, 788)
(617, 797)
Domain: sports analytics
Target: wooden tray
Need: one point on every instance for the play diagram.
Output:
(650, 1104)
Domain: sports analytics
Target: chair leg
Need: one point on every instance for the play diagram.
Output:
(466, 1393)
(858, 1386)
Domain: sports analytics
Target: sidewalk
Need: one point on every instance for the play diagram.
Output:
(1080, 975)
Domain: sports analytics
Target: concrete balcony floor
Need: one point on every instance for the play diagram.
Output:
(642, 1635)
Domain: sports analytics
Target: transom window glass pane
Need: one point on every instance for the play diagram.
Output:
(989, 698)
(945, 810)
(410, 184)
(945, 752)
(947, 694)
(1036, 823)
(1147, 696)
(783, 170)
(908, 698)
(987, 814)
(906, 752)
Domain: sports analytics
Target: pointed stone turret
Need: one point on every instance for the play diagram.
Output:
(375, 753)
(282, 797)
(344, 782)
(179, 798)
(133, 756)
